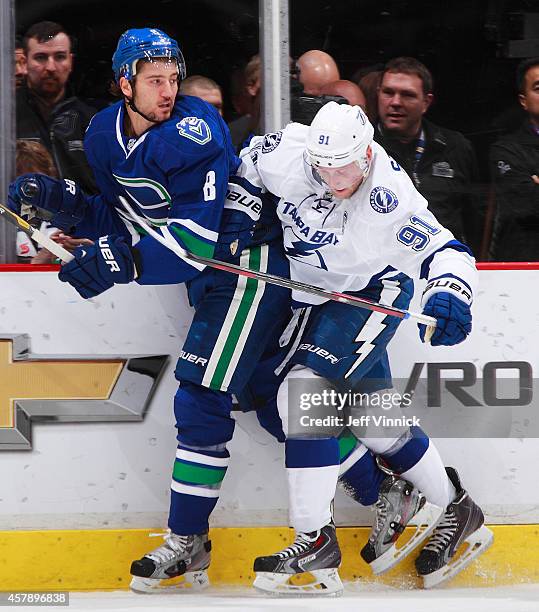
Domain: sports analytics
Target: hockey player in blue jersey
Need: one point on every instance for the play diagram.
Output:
(171, 157)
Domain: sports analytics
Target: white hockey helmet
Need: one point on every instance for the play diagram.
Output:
(339, 134)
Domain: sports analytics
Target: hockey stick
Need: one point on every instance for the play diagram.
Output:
(41, 238)
(335, 296)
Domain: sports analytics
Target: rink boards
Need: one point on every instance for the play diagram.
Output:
(95, 481)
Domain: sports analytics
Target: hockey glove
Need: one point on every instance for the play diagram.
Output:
(37, 195)
(99, 266)
(243, 205)
(453, 316)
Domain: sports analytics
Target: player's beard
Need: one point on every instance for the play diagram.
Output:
(150, 115)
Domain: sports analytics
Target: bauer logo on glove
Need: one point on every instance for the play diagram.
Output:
(97, 267)
(108, 255)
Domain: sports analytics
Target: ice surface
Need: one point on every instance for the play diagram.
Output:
(358, 597)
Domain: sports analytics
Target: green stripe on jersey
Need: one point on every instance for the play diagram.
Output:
(239, 321)
(192, 243)
(127, 181)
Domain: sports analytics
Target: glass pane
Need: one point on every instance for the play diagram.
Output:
(217, 40)
(472, 50)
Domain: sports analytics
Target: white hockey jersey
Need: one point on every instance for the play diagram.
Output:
(341, 245)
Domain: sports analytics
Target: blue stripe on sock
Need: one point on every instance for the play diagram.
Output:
(410, 453)
(318, 452)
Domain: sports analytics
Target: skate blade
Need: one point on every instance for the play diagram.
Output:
(425, 521)
(478, 542)
(190, 581)
(327, 582)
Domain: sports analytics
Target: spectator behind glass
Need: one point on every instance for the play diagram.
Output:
(514, 162)
(369, 84)
(316, 70)
(20, 63)
(441, 162)
(247, 125)
(34, 157)
(347, 90)
(204, 88)
(47, 111)
(239, 97)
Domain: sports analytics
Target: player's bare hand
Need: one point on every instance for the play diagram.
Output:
(69, 243)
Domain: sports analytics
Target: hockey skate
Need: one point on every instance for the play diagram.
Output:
(180, 556)
(317, 553)
(462, 523)
(399, 504)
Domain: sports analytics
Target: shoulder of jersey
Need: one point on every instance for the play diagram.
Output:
(295, 135)
(390, 193)
(195, 127)
(277, 150)
(104, 120)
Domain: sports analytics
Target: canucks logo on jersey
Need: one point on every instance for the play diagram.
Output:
(195, 129)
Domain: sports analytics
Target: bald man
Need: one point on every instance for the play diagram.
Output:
(204, 88)
(346, 89)
(316, 69)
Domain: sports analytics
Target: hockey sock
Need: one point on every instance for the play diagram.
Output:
(360, 475)
(312, 470)
(430, 477)
(196, 481)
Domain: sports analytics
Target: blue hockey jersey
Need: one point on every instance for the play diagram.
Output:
(174, 175)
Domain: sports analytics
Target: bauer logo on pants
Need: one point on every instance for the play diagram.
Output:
(69, 389)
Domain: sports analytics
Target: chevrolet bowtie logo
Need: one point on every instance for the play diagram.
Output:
(69, 389)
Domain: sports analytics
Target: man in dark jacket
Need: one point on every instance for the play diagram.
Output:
(441, 162)
(515, 166)
(46, 111)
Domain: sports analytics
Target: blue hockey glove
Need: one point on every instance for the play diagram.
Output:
(454, 319)
(99, 266)
(243, 205)
(37, 195)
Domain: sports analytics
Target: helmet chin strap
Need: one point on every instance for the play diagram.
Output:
(131, 103)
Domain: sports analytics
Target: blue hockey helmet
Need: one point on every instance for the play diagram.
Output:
(145, 43)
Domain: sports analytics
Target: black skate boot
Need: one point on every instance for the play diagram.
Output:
(399, 504)
(316, 552)
(462, 523)
(187, 556)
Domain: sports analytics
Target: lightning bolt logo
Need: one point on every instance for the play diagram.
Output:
(298, 249)
(383, 200)
(368, 337)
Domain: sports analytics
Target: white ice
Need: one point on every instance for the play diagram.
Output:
(357, 598)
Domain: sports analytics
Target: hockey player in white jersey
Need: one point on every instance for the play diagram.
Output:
(353, 222)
